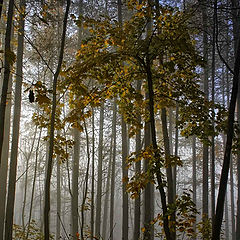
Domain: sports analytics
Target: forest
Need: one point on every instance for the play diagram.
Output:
(120, 119)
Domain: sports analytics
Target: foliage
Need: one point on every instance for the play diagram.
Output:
(113, 58)
(33, 232)
(186, 212)
(205, 228)
(139, 181)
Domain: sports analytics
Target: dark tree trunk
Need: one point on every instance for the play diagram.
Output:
(7, 66)
(16, 118)
(227, 154)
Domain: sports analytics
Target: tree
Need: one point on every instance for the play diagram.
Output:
(16, 123)
(8, 61)
(227, 154)
(52, 125)
(113, 55)
(99, 178)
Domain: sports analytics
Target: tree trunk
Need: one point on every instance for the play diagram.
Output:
(7, 66)
(85, 188)
(137, 203)
(124, 177)
(75, 175)
(226, 218)
(175, 153)
(194, 174)
(232, 201)
(227, 154)
(16, 118)
(213, 115)
(170, 185)
(112, 196)
(4, 165)
(5, 158)
(58, 229)
(52, 126)
(236, 29)
(99, 179)
(205, 190)
(106, 201)
(93, 171)
(155, 147)
(33, 185)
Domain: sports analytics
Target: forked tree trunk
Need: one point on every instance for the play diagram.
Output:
(155, 147)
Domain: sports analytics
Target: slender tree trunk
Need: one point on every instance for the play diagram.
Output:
(227, 154)
(149, 189)
(213, 114)
(226, 218)
(7, 67)
(75, 171)
(106, 202)
(33, 186)
(58, 229)
(93, 170)
(137, 203)
(124, 177)
(4, 165)
(176, 154)
(232, 201)
(99, 179)
(16, 118)
(52, 126)
(170, 185)
(5, 158)
(194, 174)
(25, 192)
(205, 190)
(155, 147)
(85, 188)
(112, 196)
(236, 29)
(75, 175)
